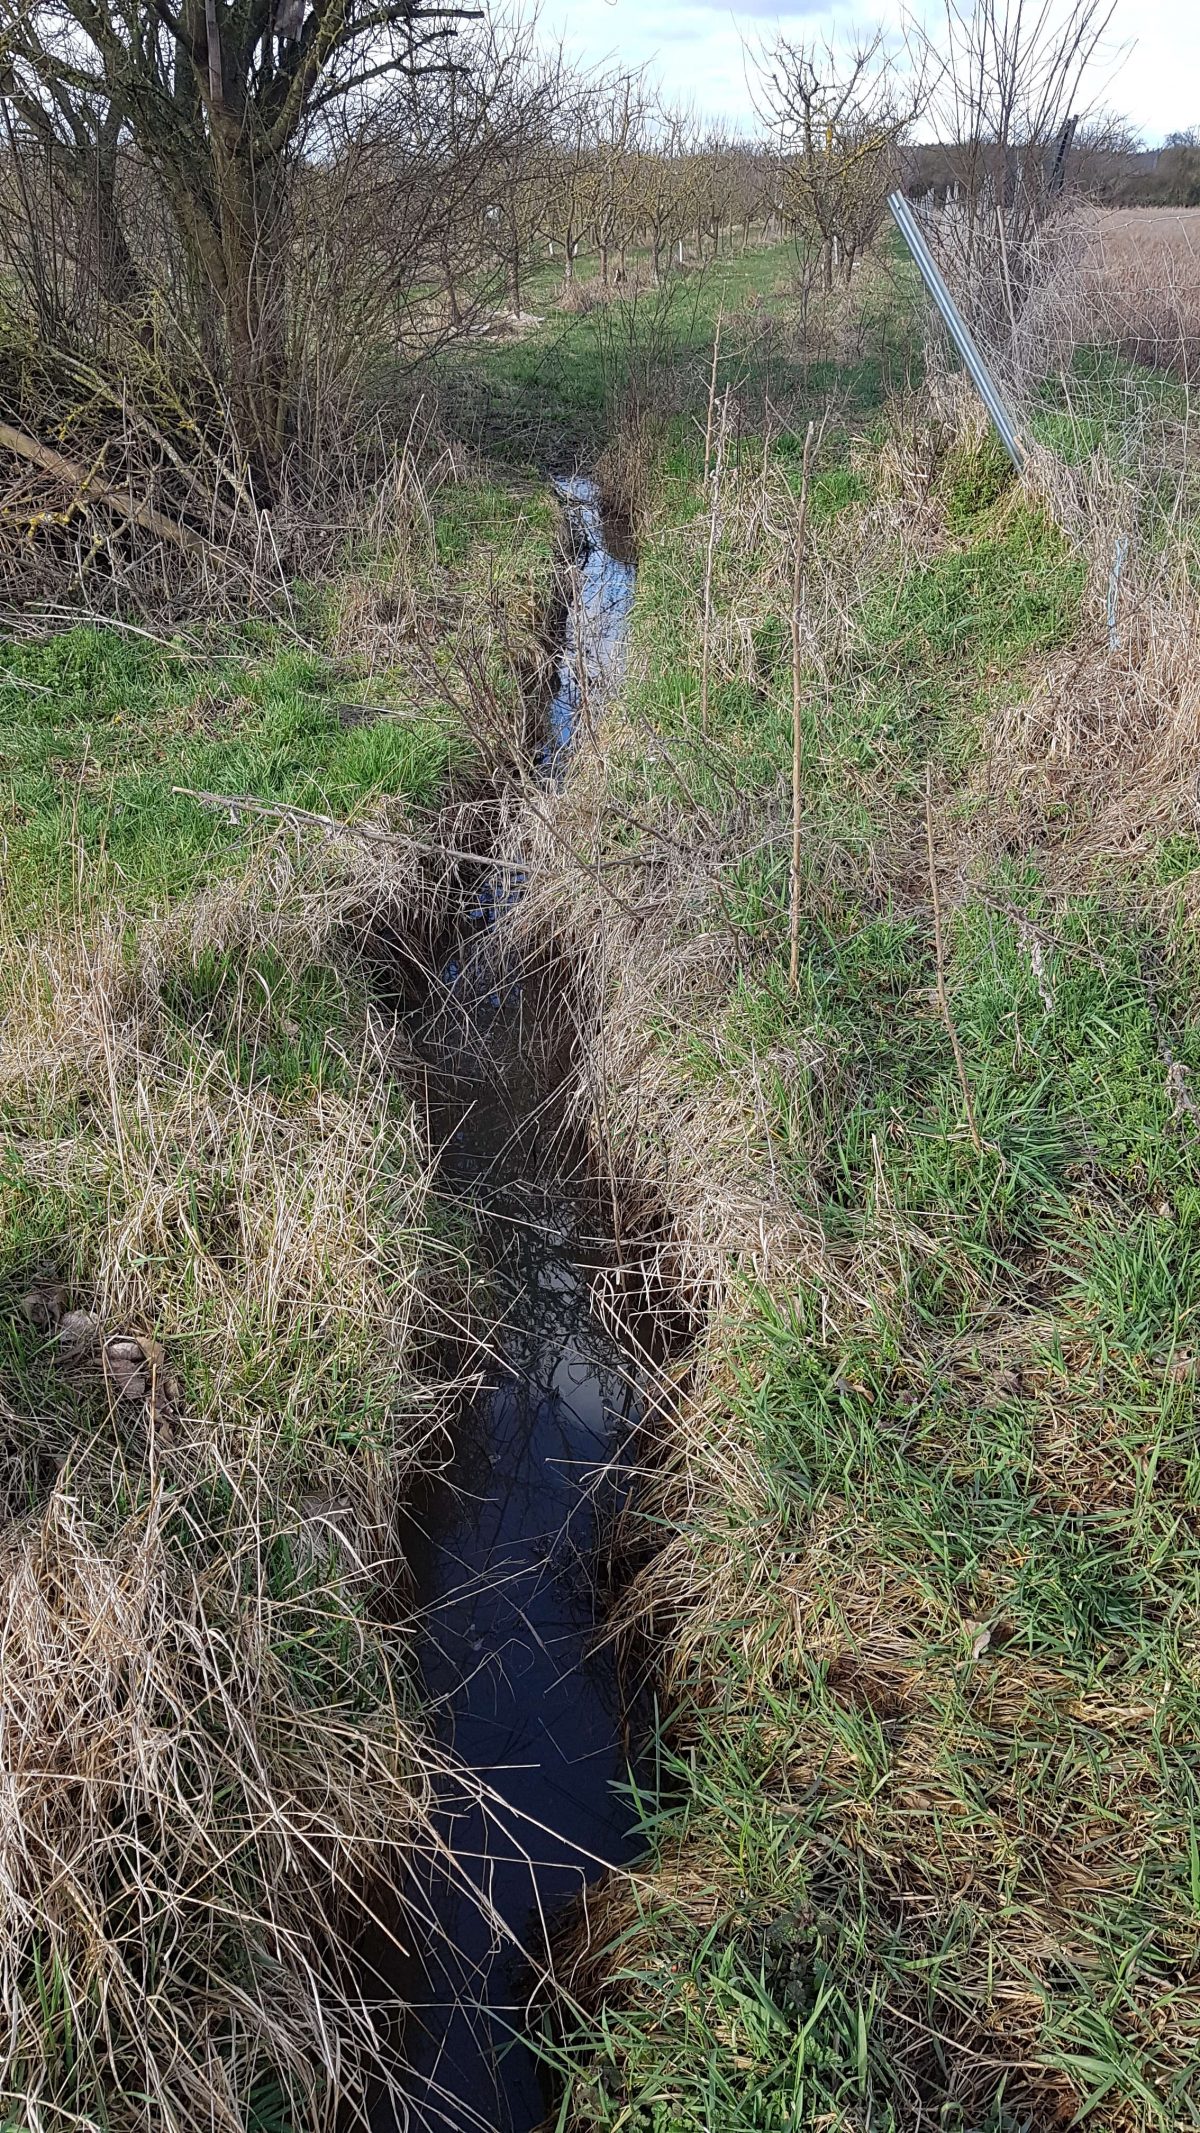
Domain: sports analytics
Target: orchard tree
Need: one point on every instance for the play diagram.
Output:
(839, 115)
(618, 109)
(566, 203)
(1012, 88)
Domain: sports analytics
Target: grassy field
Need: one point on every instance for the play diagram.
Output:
(230, 1304)
(914, 1562)
(560, 391)
(1141, 273)
(920, 1571)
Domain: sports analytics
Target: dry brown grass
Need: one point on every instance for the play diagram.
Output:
(1141, 273)
(190, 1823)
(649, 944)
(211, 1767)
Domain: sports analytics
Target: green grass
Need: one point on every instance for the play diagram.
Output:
(99, 726)
(556, 394)
(98, 729)
(924, 1848)
(1135, 420)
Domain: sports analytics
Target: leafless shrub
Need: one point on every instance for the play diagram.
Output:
(143, 502)
(1012, 82)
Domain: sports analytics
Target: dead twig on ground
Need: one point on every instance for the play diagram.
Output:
(89, 491)
(237, 804)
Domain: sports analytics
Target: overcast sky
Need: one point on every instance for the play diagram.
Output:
(697, 49)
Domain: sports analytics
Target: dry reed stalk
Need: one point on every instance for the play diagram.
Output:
(712, 397)
(940, 955)
(798, 712)
(710, 558)
(238, 805)
(1007, 277)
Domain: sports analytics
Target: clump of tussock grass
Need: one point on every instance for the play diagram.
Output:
(212, 1750)
(255, 1186)
(1096, 741)
(643, 939)
(204, 1783)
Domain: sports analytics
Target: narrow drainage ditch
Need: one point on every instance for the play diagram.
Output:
(502, 1550)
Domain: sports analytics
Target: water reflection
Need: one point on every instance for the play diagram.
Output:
(533, 1715)
(597, 620)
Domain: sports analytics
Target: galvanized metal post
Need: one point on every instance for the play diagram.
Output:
(909, 228)
(1120, 552)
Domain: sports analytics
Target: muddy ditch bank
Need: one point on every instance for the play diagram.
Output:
(506, 1547)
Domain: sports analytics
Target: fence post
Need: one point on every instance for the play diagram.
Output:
(909, 228)
(1114, 585)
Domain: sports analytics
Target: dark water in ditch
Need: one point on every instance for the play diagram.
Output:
(532, 1711)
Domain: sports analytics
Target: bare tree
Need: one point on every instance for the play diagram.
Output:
(520, 86)
(839, 114)
(218, 97)
(566, 201)
(391, 245)
(1012, 78)
(65, 176)
(618, 114)
(665, 205)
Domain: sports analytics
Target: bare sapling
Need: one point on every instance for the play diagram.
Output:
(1007, 76)
(714, 527)
(798, 711)
(712, 398)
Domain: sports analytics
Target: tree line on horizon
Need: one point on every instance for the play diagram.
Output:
(240, 206)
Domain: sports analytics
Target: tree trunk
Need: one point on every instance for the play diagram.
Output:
(451, 282)
(106, 272)
(241, 260)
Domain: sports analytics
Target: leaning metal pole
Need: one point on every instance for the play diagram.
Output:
(909, 228)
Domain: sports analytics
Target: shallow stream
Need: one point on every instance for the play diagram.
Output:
(506, 1545)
